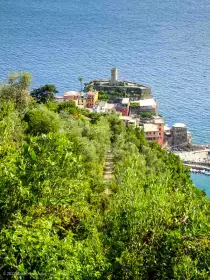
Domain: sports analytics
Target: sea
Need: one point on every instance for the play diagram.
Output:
(163, 44)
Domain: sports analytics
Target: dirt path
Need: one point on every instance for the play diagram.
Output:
(108, 169)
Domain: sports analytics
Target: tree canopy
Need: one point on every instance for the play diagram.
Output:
(17, 90)
(44, 94)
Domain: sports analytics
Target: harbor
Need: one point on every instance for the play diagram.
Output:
(197, 160)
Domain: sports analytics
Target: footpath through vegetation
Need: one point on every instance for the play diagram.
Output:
(108, 169)
(70, 210)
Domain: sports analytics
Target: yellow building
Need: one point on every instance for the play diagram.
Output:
(92, 99)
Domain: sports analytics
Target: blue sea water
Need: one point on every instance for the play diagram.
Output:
(163, 44)
(202, 182)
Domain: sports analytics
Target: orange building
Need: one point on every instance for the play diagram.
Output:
(72, 96)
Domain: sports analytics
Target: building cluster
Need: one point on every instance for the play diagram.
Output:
(81, 99)
(138, 109)
(126, 107)
(153, 128)
(128, 111)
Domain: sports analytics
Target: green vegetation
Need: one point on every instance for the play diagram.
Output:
(41, 120)
(57, 221)
(16, 91)
(90, 88)
(103, 95)
(134, 104)
(111, 96)
(44, 94)
(147, 115)
(146, 95)
(121, 93)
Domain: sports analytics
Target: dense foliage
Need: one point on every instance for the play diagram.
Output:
(57, 220)
(147, 115)
(44, 94)
(134, 104)
(114, 95)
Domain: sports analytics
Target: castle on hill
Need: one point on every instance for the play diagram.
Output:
(133, 89)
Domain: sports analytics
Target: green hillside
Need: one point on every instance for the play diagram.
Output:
(58, 221)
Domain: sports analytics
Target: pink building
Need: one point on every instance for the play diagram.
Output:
(154, 131)
(72, 96)
(160, 124)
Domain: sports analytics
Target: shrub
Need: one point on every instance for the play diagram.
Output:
(42, 121)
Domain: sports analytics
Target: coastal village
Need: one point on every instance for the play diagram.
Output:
(136, 106)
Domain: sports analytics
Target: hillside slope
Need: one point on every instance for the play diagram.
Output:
(59, 222)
